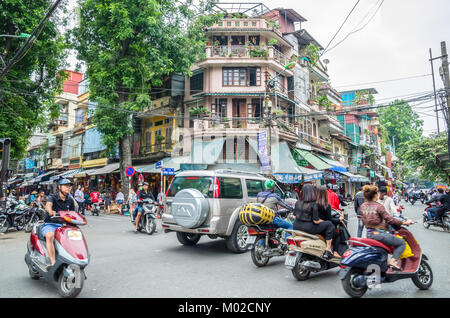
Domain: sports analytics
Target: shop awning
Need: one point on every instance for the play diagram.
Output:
(85, 173)
(335, 166)
(169, 162)
(66, 174)
(111, 168)
(355, 177)
(206, 152)
(28, 176)
(312, 159)
(45, 176)
(15, 180)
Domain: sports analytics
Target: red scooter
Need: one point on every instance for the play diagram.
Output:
(71, 253)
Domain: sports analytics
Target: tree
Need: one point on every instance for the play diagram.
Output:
(399, 121)
(421, 153)
(130, 46)
(27, 89)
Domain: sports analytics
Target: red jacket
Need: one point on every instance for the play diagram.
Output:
(333, 200)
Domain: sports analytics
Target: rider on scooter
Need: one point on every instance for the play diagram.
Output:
(56, 202)
(435, 198)
(143, 194)
(376, 219)
(272, 200)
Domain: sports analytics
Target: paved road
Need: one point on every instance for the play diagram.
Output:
(124, 264)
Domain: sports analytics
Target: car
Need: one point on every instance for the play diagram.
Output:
(207, 202)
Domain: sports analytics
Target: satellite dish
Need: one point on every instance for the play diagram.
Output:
(326, 61)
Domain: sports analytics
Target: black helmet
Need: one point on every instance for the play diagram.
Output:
(65, 181)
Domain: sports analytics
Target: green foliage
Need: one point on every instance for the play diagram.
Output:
(312, 53)
(421, 154)
(261, 51)
(25, 102)
(401, 121)
(198, 111)
(129, 47)
(272, 42)
(323, 101)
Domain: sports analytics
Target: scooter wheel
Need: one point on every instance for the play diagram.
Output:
(425, 222)
(33, 274)
(68, 289)
(300, 273)
(424, 277)
(349, 287)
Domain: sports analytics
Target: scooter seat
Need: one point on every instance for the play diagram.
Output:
(371, 242)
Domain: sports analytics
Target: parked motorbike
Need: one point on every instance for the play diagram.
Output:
(34, 215)
(306, 250)
(365, 265)
(71, 254)
(428, 219)
(13, 216)
(266, 241)
(148, 218)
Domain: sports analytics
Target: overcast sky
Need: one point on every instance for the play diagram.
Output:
(394, 44)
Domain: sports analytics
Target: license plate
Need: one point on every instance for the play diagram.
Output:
(290, 260)
(251, 239)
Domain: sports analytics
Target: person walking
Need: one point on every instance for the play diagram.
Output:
(359, 200)
(79, 197)
(120, 198)
(132, 200)
(107, 202)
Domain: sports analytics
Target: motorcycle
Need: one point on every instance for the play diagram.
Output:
(266, 241)
(71, 253)
(365, 265)
(14, 216)
(148, 218)
(35, 215)
(428, 219)
(95, 208)
(306, 250)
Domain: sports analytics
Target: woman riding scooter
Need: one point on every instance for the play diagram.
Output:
(376, 220)
(307, 218)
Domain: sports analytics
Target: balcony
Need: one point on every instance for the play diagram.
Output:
(154, 148)
(244, 24)
(248, 55)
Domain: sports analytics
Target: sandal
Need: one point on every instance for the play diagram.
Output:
(395, 268)
(327, 255)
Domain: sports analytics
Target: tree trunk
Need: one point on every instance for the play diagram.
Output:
(125, 161)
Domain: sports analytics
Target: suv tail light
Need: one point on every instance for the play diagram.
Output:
(216, 188)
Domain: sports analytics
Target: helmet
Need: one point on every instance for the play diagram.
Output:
(269, 184)
(65, 181)
(330, 186)
(335, 187)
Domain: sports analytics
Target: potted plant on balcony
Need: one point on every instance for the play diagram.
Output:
(272, 42)
(226, 122)
(158, 141)
(198, 112)
(279, 112)
(324, 103)
(312, 53)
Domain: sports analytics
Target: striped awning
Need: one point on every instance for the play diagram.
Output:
(66, 174)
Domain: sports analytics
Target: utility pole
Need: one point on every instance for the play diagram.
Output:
(5, 144)
(446, 79)
(434, 89)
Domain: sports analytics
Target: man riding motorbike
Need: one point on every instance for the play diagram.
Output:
(445, 205)
(59, 201)
(143, 194)
(333, 198)
(272, 201)
(435, 198)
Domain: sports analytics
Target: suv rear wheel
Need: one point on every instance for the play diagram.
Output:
(237, 242)
(189, 239)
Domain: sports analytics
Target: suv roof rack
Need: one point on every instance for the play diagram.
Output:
(240, 172)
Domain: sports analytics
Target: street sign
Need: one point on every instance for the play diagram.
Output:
(168, 171)
(158, 165)
(129, 171)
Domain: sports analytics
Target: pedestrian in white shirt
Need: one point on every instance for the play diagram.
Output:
(120, 198)
(387, 202)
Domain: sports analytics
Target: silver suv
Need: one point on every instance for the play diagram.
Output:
(208, 203)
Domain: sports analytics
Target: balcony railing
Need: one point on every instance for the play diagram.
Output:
(245, 23)
(268, 52)
(149, 149)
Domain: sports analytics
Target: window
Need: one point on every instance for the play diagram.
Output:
(158, 123)
(241, 76)
(257, 107)
(221, 107)
(148, 138)
(79, 116)
(254, 187)
(202, 184)
(254, 39)
(196, 83)
(168, 135)
(230, 188)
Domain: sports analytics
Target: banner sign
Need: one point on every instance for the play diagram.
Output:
(263, 152)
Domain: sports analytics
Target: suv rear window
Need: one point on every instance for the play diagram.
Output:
(202, 184)
(230, 188)
(254, 187)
